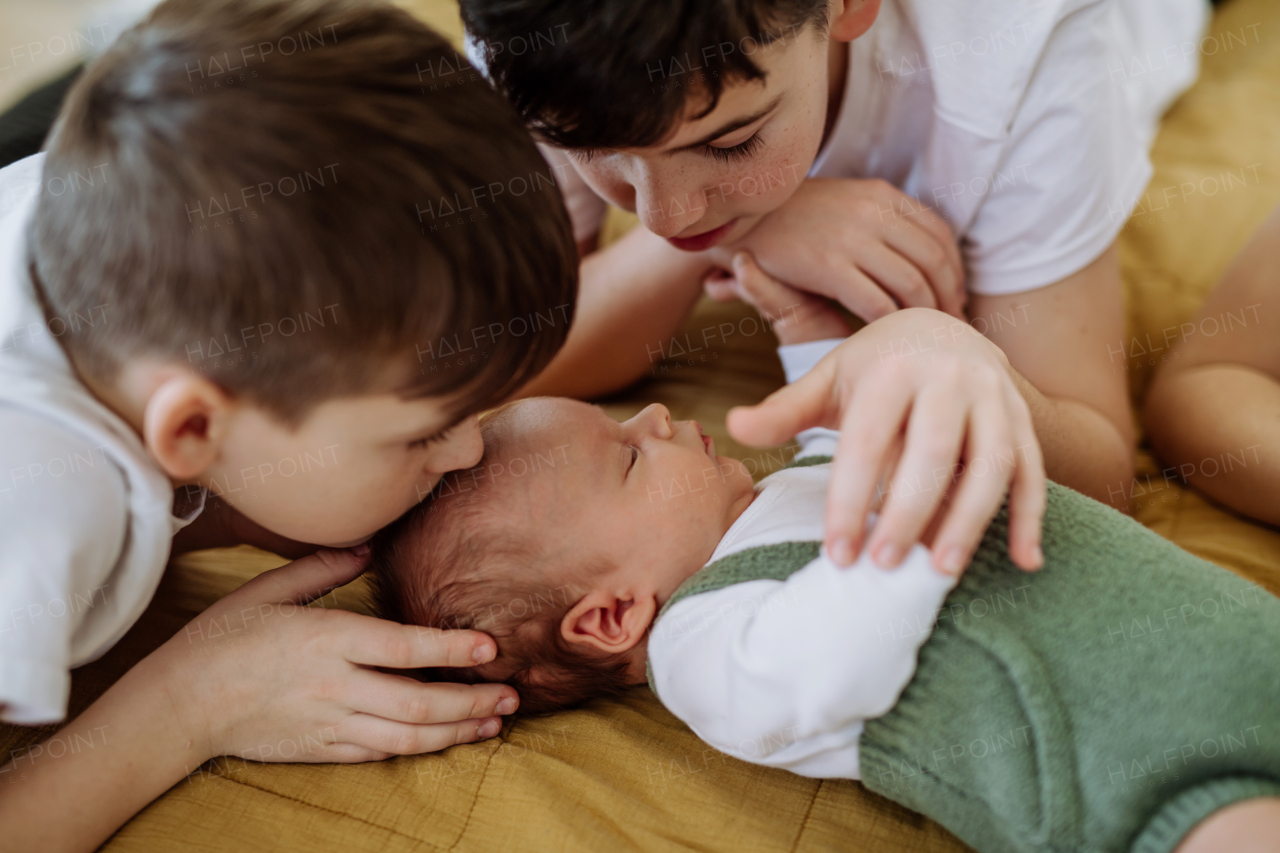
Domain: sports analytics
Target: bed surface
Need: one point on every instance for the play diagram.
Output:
(626, 775)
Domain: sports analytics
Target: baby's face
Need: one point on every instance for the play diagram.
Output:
(648, 495)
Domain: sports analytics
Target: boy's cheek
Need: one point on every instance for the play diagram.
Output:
(760, 188)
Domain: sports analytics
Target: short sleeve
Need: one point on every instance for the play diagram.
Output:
(63, 523)
(1075, 165)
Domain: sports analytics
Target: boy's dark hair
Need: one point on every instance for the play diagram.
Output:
(458, 561)
(275, 177)
(618, 73)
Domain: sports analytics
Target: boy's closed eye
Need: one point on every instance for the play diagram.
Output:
(744, 150)
(427, 441)
(717, 144)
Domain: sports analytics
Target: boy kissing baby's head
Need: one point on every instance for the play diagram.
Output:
(562, 543)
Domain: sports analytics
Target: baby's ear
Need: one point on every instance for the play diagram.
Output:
(607, 621)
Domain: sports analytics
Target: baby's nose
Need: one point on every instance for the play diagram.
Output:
(658, 419)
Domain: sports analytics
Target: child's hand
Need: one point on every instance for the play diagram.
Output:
(255, 676)
(257, 670)
(863, 243)
(796, 316)
(923, 375)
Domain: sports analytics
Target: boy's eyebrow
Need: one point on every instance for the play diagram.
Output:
(728, 128)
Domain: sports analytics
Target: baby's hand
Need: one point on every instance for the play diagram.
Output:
(795, 315)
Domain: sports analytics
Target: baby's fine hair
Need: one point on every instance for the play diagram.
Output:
(462, 559)
(293, 199)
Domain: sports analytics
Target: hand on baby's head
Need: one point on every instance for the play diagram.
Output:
(562, 543)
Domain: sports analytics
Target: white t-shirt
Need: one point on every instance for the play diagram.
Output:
(85, 515)
(783, 673)
(1024, 125)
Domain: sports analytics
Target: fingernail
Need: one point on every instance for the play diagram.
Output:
(507, 706)
(952, 560)
(842, 552)
(482, 653)
(489, 728)
(888, 555)
(361, 549)
(1037, 557)
(739, 258)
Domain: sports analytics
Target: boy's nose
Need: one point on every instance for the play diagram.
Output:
(665, 207)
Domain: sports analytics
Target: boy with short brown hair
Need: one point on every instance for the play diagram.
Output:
(228, 277)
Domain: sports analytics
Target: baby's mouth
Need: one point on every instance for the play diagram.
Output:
(707, 441)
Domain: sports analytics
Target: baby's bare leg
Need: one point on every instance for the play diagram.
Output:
(1249, 826)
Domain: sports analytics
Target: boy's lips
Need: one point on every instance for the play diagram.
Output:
(705, 240)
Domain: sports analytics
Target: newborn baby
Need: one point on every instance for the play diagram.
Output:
(1016, 709)
(564, 542)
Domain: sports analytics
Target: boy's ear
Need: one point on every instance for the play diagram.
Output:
(852, 18)
(184, 424)
(608, 622)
